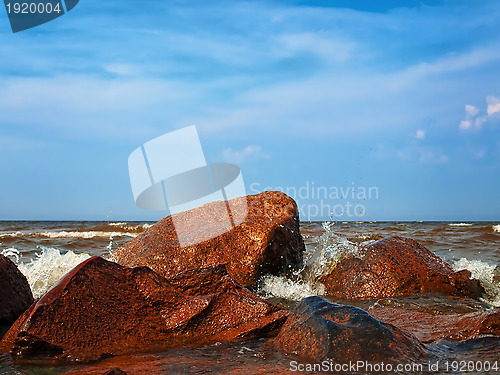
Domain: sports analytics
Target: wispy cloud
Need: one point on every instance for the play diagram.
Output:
(240, 156)
(420, 134)
(473, 120)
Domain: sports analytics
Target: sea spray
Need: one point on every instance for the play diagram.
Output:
(319, 259)
(332, 248)
(11, 253)
(48, 267)
(488, 275)
(282, 287)
(496, 228)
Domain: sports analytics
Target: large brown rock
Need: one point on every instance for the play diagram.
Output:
(102, 309)
(268, 241)
(319, 330)
(396, 267)
(430, 328)
(15, 293)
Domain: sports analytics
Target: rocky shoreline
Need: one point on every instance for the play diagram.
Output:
(154, 296)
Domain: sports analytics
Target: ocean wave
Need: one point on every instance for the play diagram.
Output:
(47, 268)
(487, 274)
(68, 234)
(282, 287)
(86, 234)
(496, 228)
(460, 224)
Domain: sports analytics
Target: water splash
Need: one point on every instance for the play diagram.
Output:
(496, 228)
(319, 259)
(48, 267)
(487, 274)
(10, 253)
(282, 287)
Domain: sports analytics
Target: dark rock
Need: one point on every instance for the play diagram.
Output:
(268, 241)
(115, 371)
(430, 328)
(101, 309)
(15, 293)
(396, 267)
(319, 330)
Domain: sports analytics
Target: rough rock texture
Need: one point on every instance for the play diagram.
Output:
(115, 371)
(396, 267)
(318, 329)
(15, 292)
(432, 328)
(101, 308)
(267, 241)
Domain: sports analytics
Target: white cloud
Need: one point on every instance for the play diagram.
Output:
(464, 125)
(472, 120)
(420, 134)
(239, 156)
(493, 105)
(471, 110)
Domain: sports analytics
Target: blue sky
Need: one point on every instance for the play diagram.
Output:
(400, 96)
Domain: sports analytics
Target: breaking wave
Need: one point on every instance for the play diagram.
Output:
(487, 274)
(49, 266)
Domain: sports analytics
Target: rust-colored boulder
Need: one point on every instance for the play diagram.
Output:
(396, 267)
(268, 241)
(319, 330)
(101, 309)
(115, 371)
(430, 328)
(15, 293)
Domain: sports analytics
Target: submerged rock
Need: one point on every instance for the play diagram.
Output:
(15, 293)
(430, 328)
(268, 241)
(319, 330)
(102, 309)
(396, 267)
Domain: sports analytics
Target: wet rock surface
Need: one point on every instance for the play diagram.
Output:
(102, 309)
(430, 328)
(396, 267)
(268, 241)
(319, 330)
(15, 293)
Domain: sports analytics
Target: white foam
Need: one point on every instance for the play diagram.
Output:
(87, 234)
(131, 226)
(70, 234)
(281, 287)
(331, 250)
(48, 267)
(496, 228)
(487, 274)
(12, 252)
(460, 224)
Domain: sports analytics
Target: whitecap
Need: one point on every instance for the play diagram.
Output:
(48, 268)
(487, 274)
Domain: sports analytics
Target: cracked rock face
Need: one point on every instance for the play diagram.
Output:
(102, 309)
(396, 267)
